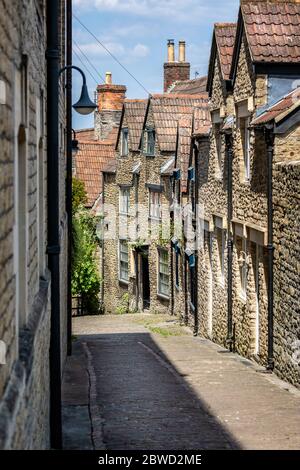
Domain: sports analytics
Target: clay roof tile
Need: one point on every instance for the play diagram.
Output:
(92, 157)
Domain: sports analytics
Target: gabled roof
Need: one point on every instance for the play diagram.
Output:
(280, 110)
(202, 121)
(189, 87)
(185, 130)
(198, 123)
(85, 134)
(110, 167)
(135, 113)
(168, 109)
(112, 135)
(223, 45)
(272, 31)
(92, 157)
(168, 167)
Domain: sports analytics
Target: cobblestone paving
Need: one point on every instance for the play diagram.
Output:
(152, 385)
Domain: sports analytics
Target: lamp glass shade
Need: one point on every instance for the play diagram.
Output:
(84, 105)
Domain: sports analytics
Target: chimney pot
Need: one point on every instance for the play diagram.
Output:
(171, 50)
(181, 51)
(108, 78)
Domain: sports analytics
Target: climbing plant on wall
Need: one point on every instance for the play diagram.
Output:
(85, 273)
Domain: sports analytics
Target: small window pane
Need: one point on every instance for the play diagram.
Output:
(163, 275)
(149, 142)
(124, 201)
(123, 257)
(154, 205)
(124, 142)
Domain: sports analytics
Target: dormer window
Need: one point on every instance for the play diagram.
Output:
(124, 142)
(149, 142)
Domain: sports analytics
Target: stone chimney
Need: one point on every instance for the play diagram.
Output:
(110, 100)
(174, 71)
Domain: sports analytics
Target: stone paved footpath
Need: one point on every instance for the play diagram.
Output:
(143, 382)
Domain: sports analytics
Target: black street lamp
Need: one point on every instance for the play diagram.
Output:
(84, 106)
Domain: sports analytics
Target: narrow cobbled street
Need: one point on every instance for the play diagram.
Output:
(144, 382)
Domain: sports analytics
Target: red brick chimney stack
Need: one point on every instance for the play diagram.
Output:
(175, 71)
(110, 103)
(110, 97)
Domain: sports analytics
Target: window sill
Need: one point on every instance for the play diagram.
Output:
(125, 214)
(124, 156)
(242, 298)
(122, 281)
(149, 155)
(163, 297)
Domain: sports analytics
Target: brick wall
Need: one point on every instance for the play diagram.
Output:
(175, 71)
(108, 114)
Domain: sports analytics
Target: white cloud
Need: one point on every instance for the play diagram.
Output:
(94, 50)
(140, 50)
(179, 10)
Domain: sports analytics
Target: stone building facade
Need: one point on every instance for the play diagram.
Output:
(253, 138)
(230, 171)
(287, 270)
(24, 276)
(141, 193)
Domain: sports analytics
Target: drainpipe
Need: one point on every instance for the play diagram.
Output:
(196, 153)
(53, 248)
(269, 135)
(102, 246)
(186, 314)
(172, 264)
(69, 173)
(136, 256)
(230, 342)
(196, 324)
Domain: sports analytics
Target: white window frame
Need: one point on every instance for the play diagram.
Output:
(124, 201)
(123, 253)
(124, 142)
(163, 278)
(154, 206)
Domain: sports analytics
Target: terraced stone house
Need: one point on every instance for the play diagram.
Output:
(249, 155)
(137, 264)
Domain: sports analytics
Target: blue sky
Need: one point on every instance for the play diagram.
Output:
(136, 32)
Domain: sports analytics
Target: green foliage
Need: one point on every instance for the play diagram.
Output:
(79, 196)
(124, 305)
(85, 274)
